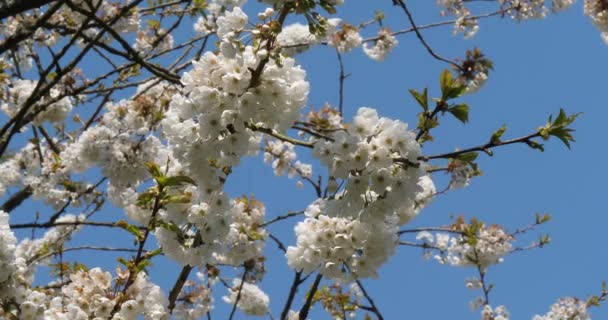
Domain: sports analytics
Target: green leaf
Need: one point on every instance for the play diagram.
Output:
(134, 230)
(77, 266)
(178, 181)
(461, 112)
(559, 127)
(498, 134)
(169, 226)
(544, 239)
(454, 92)
(422, 99)
(154, 169)
(445, 80)
(153, 24)
(154, 253)
(145, 198)
(542, 219)
(593, 301)
(180, 198)
(535, 145)
(563, 134)
(123, 261)
(142, 265)
(200, 4)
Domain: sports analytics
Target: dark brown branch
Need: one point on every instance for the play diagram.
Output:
(485, 148)
(238, 295)
(16, 199)
(24, 116)
(65, 223)
(282, 217)
(27, 31)
(177, 287)
(341, 79)
(9, 8)
(131, 54)
(297, 281)
(313, 289)
(373, 308)
(419, 35)
(256, 73)
(278, 242)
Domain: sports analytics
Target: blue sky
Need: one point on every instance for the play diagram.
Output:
(540, 66)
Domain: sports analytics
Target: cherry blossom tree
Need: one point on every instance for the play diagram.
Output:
(146, 108)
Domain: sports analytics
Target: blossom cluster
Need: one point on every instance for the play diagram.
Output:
(598, 13)
(232, 101)
(252, 300)
(20, 91)
(7, 248)
(283, 158)
(21, 261)
(566, 308)
(91, 295)
(353, 231)
(195, 300)
(487, 246)
(383, 45)
(498, 313)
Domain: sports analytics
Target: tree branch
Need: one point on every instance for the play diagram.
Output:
(10, 8)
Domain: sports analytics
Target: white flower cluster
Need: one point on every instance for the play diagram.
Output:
(128, 22)
(466, 25)
(21, 57)
(252, 301)
(206, 124)
(211, 216)
(231, 23)
(90, 295)
(16, 286)
(383, 45)
(566, 309)
(122, 142)
(21, 90)
(194, 301)
(283, 158)
(245, 240)
(459, 175)
(453, 7)
(559, 5)
(153, 41)
(212, 229)
(525, 9)
(280, 2)
(210, 125)
(498, 313)
(346, 38)
(120, 156)
(7, 248)
(489, 247)
(598, 13)
(296, 38)
(354, 231)
(335, 243)
(11, 168)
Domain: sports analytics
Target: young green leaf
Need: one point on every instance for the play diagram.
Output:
(461, 112)
(421, 98)
(498, 134)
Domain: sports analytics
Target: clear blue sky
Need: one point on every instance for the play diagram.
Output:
(540, 66)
